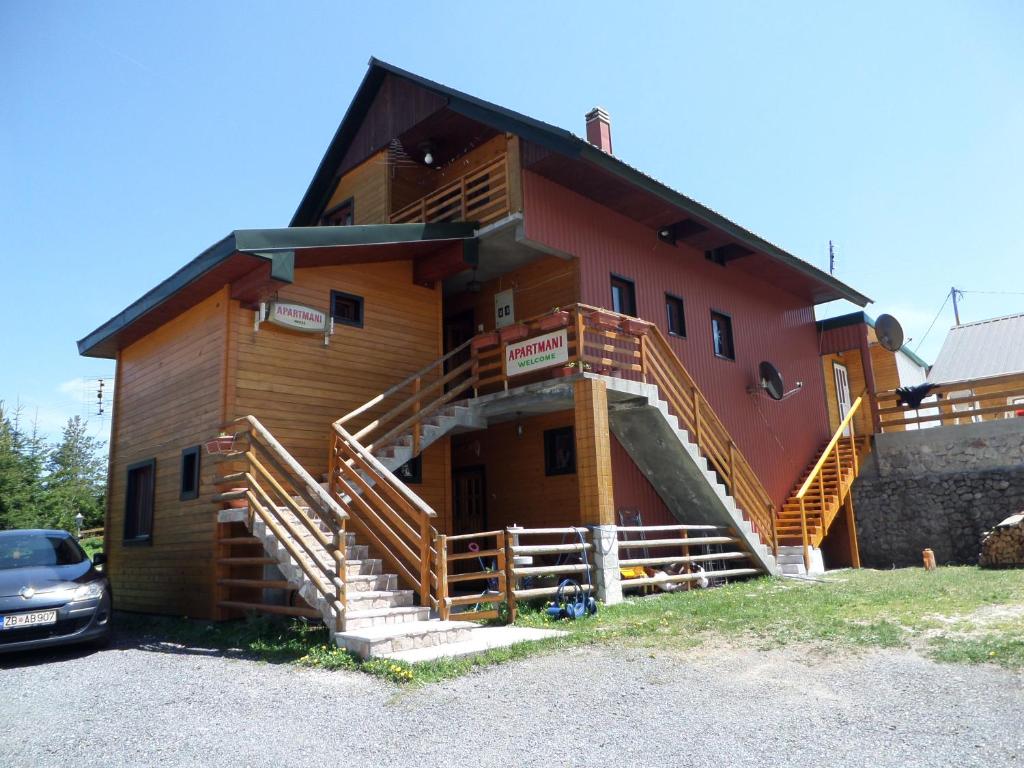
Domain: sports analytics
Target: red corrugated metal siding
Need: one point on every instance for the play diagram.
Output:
(843, 338)
(778, 438)
(634, 491)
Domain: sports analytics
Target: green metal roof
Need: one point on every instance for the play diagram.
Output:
(547, 135)
(277, 246)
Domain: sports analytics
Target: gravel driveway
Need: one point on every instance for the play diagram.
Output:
(139, 705)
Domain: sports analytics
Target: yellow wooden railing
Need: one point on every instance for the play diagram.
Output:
(1000, 397)
(483, 196)
(832, 460)
(270, 483)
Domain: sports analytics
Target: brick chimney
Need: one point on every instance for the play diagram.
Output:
(599, 129)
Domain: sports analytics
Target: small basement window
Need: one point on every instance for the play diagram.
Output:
(347, 308)
(138, 506)
(189, 483)
(559, 451)
(341, 215)
(676, 315)
(721, 334)
(412, 471)
(623, 296)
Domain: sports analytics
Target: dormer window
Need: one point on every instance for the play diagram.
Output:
(341, 215)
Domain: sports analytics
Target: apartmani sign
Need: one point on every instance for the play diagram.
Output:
(539, 352)
(297, 317)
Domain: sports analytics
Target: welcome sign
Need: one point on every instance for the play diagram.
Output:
(537, 353)
(297, 317)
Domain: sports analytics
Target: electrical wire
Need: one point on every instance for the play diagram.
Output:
(946, 301)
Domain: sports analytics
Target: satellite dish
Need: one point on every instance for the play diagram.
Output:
(889, 332)
(771, 380)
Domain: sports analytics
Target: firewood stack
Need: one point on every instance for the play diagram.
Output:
(1003, 546)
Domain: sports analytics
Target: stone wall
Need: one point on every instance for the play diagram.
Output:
(940, 488)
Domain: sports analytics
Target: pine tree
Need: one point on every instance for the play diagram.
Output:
(22, 457)
(76, 478)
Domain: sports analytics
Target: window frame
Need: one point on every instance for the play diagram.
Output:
(191, 451)
(669, 299)
(732, 336)
(343, 321)
(147, 537)
(550, 436)
(350, 203)
(626, 283)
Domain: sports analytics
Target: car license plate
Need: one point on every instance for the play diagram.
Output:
(37, 619)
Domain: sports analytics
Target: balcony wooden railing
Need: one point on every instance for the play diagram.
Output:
(482, 196)
(1000, 397)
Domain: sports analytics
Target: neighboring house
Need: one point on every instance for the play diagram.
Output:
(854, 363)
(980, 370)
(362, 339)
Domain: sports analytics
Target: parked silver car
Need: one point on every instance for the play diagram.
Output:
(50, 592)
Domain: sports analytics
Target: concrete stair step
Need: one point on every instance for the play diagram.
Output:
(365, 600)
(380, 582)
(377, 617)
(378, 640)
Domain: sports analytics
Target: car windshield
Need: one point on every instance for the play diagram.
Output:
(38, 549)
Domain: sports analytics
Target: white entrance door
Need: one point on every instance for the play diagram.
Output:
(842, 392)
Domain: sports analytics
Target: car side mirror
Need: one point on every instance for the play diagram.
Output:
(99, 560)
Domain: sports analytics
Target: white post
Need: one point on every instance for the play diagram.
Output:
(605, 563)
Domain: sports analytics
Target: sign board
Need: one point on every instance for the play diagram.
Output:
(297, 317)
(504, 308)
(537, 353)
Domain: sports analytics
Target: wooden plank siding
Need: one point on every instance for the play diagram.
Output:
(778, 438)
(297, 386)
(367, 185)
(168, 397)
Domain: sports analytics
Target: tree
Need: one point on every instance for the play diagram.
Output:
(22, 457)
(75, 482)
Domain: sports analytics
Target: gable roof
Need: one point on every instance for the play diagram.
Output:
(553, 138)
(981, 350)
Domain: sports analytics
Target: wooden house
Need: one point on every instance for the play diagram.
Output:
(476, 323)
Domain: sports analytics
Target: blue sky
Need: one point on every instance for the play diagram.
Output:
(133, 135)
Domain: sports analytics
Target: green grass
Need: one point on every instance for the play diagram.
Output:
(92, 546)
(960, 615)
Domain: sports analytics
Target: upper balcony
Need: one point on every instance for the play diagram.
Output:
(482, 195)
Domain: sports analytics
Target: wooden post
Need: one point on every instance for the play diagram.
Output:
(425, 560)
(593, 453)
(803, 536)
(500, 566)
(869, 380)
(696, 415)
(416, 424)
(441, 544)
(341, 558)
(732, 468)
(511, 540)
(643, 374)
(580, 343)
(851, 524)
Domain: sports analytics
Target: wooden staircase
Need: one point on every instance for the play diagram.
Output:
(821, 493)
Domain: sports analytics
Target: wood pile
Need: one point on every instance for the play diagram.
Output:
(1003, 546)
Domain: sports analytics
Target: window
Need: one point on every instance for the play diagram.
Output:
(559, 451)
(721, 334)
(341, 215)
(623, 296)
(138, 505)
(189, 487)
(676, 316)
(411, 471)
(347, 309)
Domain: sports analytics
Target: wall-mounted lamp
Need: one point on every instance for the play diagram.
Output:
(519, 430)
(667, 235)
(474, 285)
(428, 150)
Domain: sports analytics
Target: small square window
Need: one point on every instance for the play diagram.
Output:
(676, 315)
(138, 505)
(623, 296)
(559, 451)
(721, 334)
(412, 471)
(341, 215)
(347, 308)
(189, 488)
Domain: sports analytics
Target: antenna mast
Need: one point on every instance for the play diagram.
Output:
(831, 259)
(956, 309)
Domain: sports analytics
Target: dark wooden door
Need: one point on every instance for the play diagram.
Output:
(469, 500)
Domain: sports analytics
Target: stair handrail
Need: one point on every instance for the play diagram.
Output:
(267, 479)
(816, 477)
